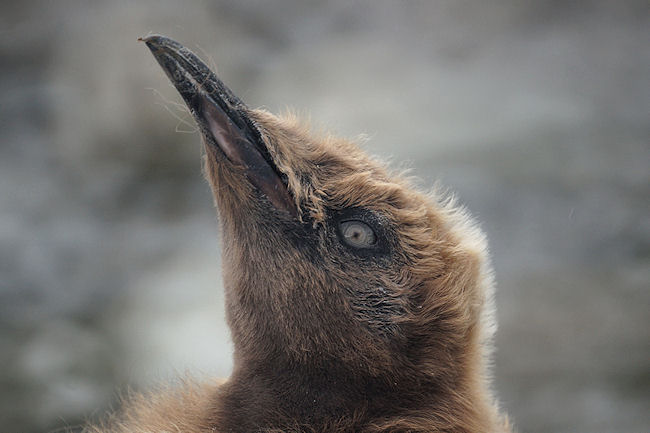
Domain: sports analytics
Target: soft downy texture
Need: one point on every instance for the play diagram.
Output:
(316, 323)
(180, 407)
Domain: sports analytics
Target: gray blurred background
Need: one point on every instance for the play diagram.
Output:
(534, 112)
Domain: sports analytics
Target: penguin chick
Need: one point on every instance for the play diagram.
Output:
(355, 302)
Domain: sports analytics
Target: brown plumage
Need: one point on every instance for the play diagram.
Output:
(355, 302)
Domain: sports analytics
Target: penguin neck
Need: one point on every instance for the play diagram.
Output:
(273, 396)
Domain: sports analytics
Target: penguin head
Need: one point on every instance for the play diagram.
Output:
(330, 259)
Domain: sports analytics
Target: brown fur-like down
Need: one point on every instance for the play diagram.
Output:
(327, 339)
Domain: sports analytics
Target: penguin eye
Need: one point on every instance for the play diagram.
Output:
(357, 234)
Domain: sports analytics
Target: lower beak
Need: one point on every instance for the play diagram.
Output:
(222, 118)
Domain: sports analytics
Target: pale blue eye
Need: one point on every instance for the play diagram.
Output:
(358, 234)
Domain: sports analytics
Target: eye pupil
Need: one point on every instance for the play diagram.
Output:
(358, 234)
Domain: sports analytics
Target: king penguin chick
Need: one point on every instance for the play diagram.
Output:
(355, 302)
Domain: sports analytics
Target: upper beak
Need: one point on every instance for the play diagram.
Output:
(222, 118)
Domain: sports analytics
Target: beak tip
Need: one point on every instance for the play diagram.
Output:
(156, 42)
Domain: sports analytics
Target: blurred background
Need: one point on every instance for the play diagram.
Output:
(534, 112)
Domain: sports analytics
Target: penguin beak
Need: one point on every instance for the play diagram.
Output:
(222, 118)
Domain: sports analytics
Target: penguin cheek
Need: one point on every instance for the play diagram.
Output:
(376, 306)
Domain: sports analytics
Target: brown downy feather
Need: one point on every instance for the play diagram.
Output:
(310, 353)
(180, 408)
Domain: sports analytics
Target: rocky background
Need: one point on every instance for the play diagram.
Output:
(534, 112)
